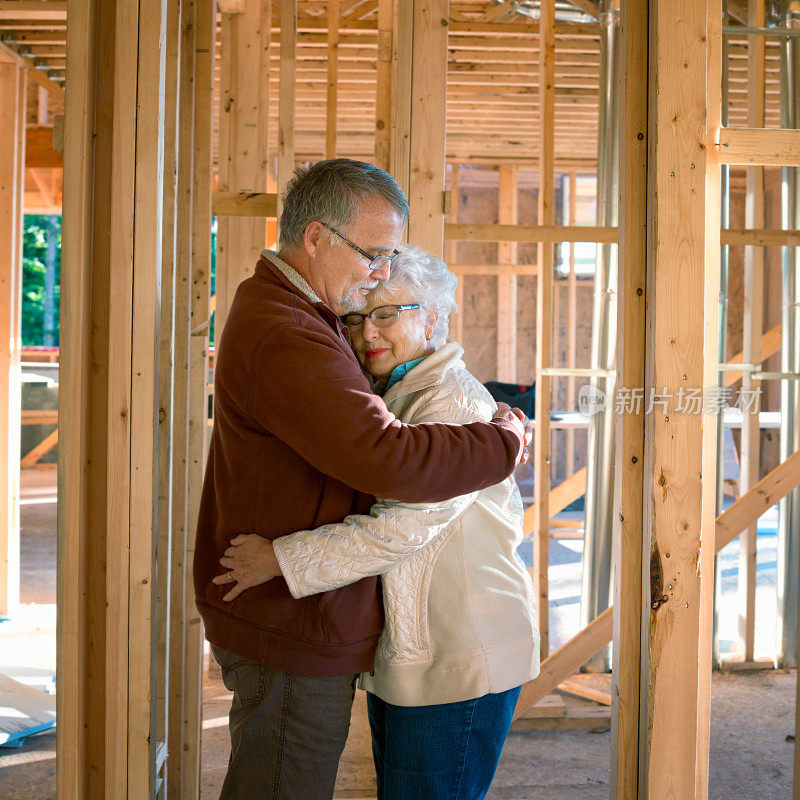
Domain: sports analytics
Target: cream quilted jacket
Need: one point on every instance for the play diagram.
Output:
(460, 620)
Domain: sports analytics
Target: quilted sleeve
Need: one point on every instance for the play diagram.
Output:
(369, 544)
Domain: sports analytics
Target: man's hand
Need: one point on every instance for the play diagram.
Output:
(521, 423)
(250, 560)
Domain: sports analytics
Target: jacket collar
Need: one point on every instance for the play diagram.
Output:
(429, 372)
(291, 275)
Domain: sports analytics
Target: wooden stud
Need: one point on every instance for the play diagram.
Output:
(244, 84)
(402, 57)
(682, 293)
(143, 618)
(456, 318)
(544, 300)
(427, 133)
(111, 269)
(200, 312)
(629, 443)
(753, 324)
(286, 97)
(508, 211)
(180, 758)
(13, 85)
(572, 326)
(383, 85)
(333, 79)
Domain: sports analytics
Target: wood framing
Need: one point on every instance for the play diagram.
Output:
(286, 95)
(383, 84)
(753, 326)
(682, 292)
(427, 129)
(759, 146)
(508, 213)
(629, 486)
(544, 323)
(244, 86)
(333, 79)
(13, 83)
(109, 392)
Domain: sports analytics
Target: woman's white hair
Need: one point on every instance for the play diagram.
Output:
(427, 281)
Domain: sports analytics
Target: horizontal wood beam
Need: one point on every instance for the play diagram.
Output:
(39, 152)
(244, 204)
(231, 6)
(760, 237)
(33, 10)
(759, 146)
(529, 233)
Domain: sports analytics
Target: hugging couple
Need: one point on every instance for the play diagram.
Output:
(359, 522)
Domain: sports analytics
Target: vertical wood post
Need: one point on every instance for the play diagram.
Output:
(456, 319)
(333, 79)
(544, 321)
(753, 325)
(572, 325)
(286, 96)
(629, 447)
(197, 429)
(179, 756)
(383, 98)
(508, 214)
(13, 77)
(427, 132)
(108, 454)
(244, 105)
(680, 446)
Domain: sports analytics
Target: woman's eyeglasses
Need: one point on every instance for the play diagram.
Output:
(381, 317)
(375, 262)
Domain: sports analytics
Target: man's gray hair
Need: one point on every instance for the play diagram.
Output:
(333, 191)
(428, 281)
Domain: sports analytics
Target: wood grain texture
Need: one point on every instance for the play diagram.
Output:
(544, 323)
(759, 146)
(629, 489)
(427, 131)
(12, 187)
(243, 128)
(683, 270)
(508, 214)
(286, 95)
(753, 328)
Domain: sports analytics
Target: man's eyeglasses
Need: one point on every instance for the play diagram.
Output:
(381, 317)
(375, 262)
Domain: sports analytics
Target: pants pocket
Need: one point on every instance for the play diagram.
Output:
(246, 679)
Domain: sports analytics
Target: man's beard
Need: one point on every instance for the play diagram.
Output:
(354, 300)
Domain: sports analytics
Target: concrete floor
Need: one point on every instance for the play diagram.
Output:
(752, 713)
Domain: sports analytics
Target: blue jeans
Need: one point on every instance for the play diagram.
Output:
(442, 752)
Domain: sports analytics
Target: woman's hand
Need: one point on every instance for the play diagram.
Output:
(250, 560)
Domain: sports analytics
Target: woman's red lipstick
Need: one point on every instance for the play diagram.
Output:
(376, 352)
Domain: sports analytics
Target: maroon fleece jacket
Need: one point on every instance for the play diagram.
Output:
(299, 440)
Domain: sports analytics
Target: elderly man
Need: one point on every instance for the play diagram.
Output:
(299, 440)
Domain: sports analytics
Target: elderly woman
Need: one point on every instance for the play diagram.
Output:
(460, 635)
